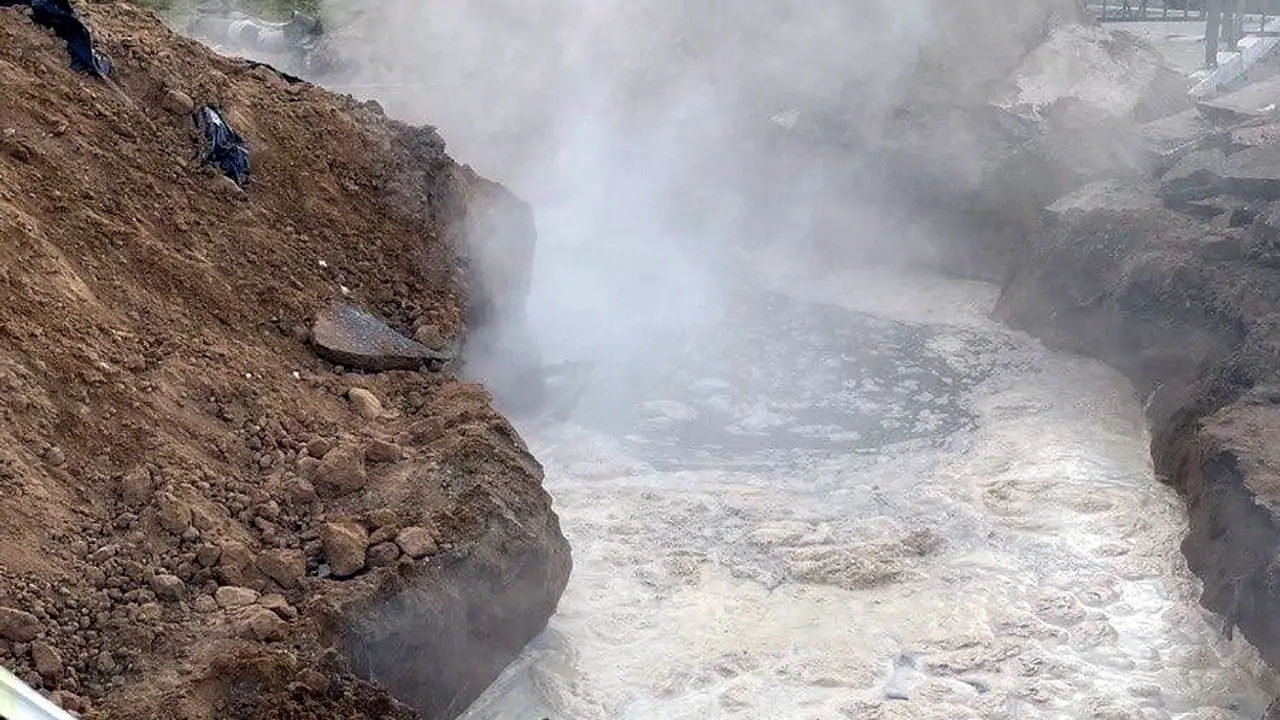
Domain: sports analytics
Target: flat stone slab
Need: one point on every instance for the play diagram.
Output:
(1254, 173)
(1256, 100)
(1196, 176)
(346, 335)
(1114, 195)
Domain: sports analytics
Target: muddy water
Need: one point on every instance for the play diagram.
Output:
(837, 507)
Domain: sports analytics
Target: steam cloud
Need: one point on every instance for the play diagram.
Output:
(639, 131)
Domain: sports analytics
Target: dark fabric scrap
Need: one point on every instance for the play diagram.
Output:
(224, 147)
(62, 18)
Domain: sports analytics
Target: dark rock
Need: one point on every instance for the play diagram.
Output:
(349, 336)
(1196, 176)
(1262, 240)
(1219, 248)
(382, 554)
(1242, 217)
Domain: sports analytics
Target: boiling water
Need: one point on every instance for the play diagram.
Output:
(873, 504)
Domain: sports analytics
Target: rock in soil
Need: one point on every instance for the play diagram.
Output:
(365, 403)
(347, 335)
(416, 542)
(229, 596)
(18, 625)
(344, 546)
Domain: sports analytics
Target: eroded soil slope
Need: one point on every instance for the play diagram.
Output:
(197, 517)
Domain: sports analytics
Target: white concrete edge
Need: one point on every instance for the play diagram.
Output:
(1233, 65)
(19, 702)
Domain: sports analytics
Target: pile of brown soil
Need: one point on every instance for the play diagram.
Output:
(198, 517)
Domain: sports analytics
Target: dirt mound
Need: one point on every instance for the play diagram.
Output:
(201, 518)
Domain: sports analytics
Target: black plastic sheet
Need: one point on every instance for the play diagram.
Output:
(223, 146)
(62, 18)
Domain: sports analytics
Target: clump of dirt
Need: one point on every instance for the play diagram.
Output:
(190, 497)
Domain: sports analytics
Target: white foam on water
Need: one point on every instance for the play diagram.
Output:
(1026, 568)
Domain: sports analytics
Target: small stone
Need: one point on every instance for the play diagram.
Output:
(230, 596)
(300, 491)
(105, 663)
(148, 613)
(201, 519)
(263, 625)
(208, 555)
(384, 534)
(278, 605)
(344, 547)
(21, 626)
(136, 487)
(416, 542)
(237, 566)
(340, 473)
(430, 336)
(381, 451)
(55, 456)
(314, 680)
(47, 661)
(174, 515)
(178, 102)
(365, 403)
(168, 587)
(204, 604)
(68, 701)
(382, 517)
(285, 567)
(225, 187)
(319, 447)
(382, 554)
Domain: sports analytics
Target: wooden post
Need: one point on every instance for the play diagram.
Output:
(1212, 29)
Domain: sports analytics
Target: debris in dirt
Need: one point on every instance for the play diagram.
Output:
(285, 567)
(382, 554)
(1194, 177)
(365, 403)
(416, 542)
(1254, 173)
(262, 624)
(18, 625)
(224, 146)
(1252, 101)
(230, 596)
(178, 103)
(341, 472)
(347, 335)
(47, 661)
(345, 545)
(168, 587)
(62, 18)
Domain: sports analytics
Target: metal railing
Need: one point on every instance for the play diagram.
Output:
(19, 702)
